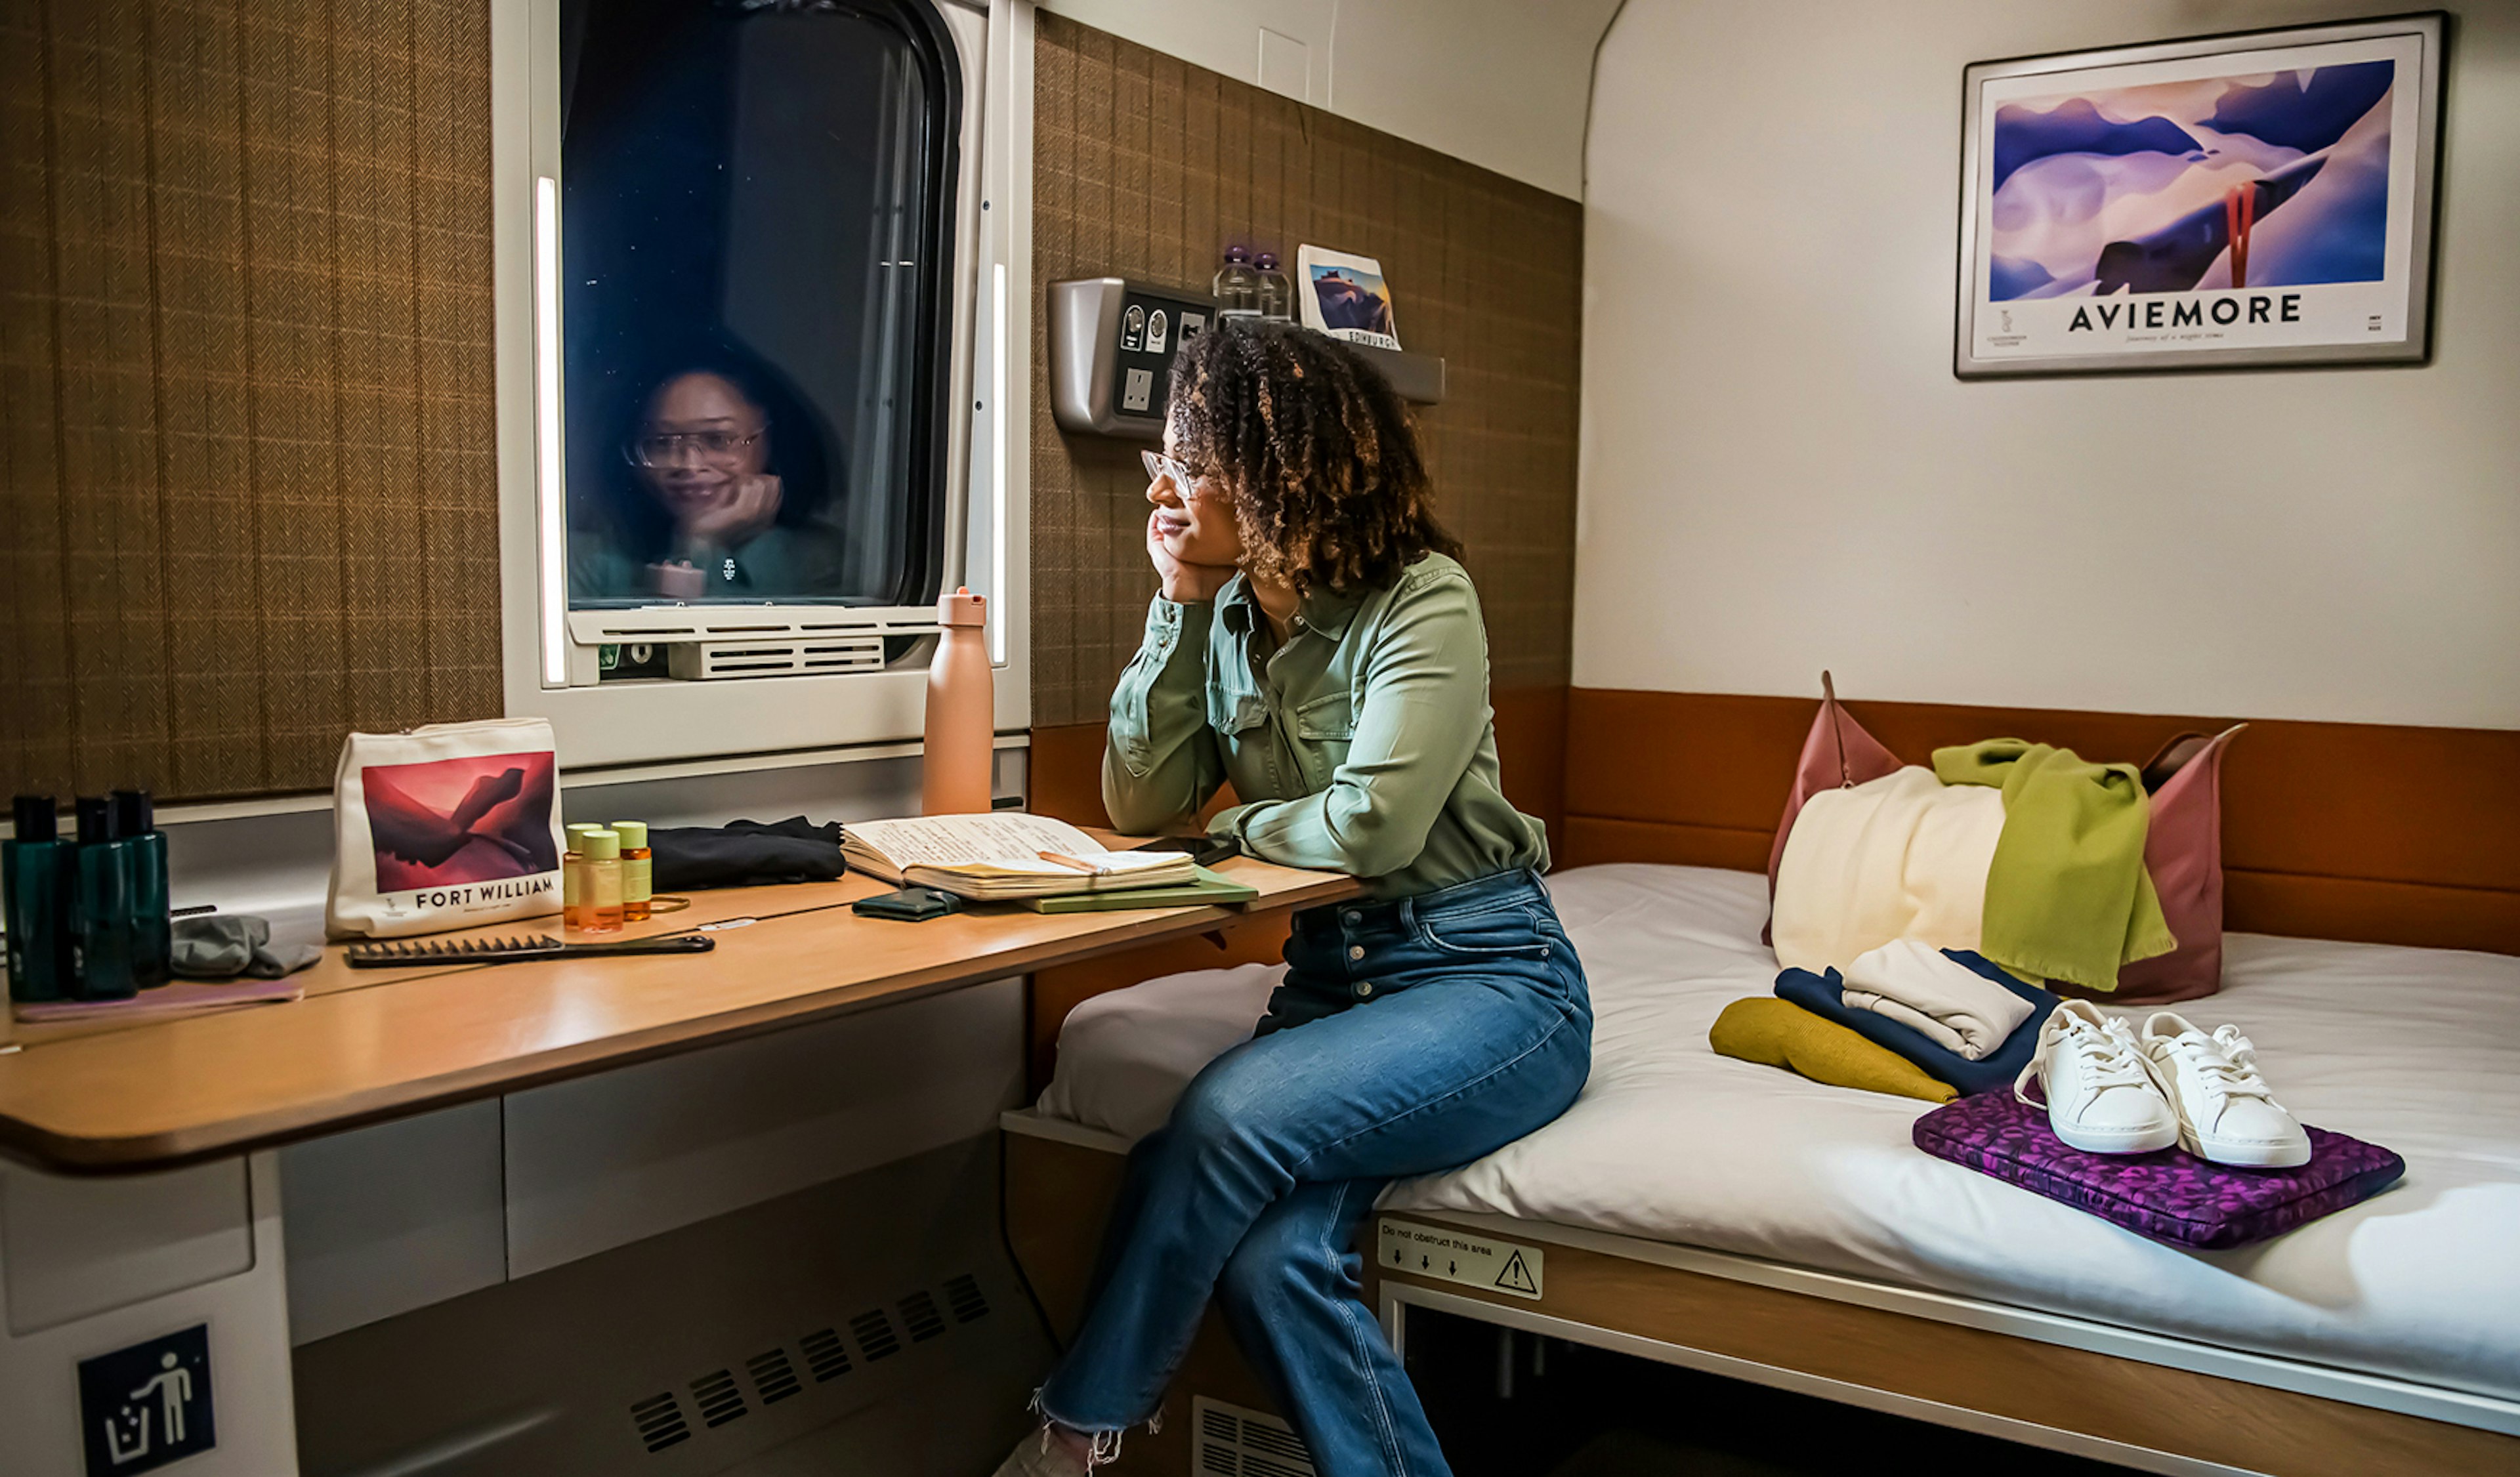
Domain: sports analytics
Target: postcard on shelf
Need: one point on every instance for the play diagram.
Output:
(1003, 856)
(1344, 297)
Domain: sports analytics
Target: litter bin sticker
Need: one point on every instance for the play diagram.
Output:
(144, 1407)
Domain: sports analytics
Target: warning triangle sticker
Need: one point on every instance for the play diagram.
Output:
(1516, 1277)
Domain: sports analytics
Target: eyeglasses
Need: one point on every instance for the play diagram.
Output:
(707, 445)
(1161, 467)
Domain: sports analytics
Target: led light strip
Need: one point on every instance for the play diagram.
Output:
(547, 445)
(998, 496)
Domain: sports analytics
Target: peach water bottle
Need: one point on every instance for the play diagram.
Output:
(961, 730)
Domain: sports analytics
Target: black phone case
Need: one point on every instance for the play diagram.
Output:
(910, 905)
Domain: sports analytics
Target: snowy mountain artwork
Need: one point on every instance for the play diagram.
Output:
(2244, 199)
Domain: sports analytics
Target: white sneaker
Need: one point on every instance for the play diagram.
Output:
(2225, 1114)
(2099, 1096)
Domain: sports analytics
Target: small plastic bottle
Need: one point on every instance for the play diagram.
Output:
(1276, 299)
(100, 945)
(152, 930)
(599, 887)
(37, 874)
(637, 871)
(1238, 287)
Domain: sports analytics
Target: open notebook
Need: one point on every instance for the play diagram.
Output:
(996, 857)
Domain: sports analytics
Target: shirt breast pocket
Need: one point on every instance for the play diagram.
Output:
(1325, 727)
(1235, 715)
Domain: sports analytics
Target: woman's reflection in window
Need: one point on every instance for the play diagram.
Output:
(725, 500)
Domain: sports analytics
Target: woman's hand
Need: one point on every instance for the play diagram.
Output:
(729, 521)
(1184, 583)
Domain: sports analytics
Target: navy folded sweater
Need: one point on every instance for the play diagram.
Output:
(1822, 995)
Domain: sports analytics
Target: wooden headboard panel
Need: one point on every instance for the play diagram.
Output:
(2368, 832)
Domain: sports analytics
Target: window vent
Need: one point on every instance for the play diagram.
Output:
(963, 1295)
(824, 1354)
(659, 1419)
(718, 1399)
(774, 1379)
(919, 1312)
(875, 1338)
(1233, 1442)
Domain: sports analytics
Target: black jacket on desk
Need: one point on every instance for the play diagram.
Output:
(745, 853)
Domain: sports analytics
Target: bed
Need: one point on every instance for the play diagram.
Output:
(1738, 1218)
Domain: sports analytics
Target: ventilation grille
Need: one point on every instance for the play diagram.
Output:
(824, 1354)
(1233, 1442)
(774, 1379)
(875, 1338)
(718, 1399)
(659, 1419)
(919, 1312)
(769, 658)
(963, 1295)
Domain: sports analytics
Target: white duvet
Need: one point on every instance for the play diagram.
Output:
(2418, 1050)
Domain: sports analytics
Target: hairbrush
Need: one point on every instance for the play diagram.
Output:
(513, 948)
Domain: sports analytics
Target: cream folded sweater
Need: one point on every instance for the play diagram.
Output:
(1957, 1007)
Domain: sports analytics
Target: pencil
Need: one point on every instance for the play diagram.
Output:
(1088, 868)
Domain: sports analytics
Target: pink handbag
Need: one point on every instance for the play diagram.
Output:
(2182, 848)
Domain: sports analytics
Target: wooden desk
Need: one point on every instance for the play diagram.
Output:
(152, 1095)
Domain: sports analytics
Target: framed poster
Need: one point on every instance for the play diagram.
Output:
(2248, 199)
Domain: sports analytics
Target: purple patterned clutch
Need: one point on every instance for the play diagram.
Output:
(2169, 1195)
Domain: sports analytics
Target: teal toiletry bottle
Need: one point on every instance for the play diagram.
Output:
(101, 908)
(153, 924)
(35, 874)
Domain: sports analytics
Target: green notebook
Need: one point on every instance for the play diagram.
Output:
(1209, 888)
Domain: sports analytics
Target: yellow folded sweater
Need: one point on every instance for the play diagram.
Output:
(1782, 1034)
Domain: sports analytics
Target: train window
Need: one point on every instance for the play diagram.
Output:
(755, 198)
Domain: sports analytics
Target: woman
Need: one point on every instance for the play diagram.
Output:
(716, 510)
(1318, 644)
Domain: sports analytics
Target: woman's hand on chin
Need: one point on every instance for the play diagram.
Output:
(1184, 583)
(731, 521)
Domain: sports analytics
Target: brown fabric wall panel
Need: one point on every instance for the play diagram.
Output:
(2383, 832)
(245, 347)
(1145, 166)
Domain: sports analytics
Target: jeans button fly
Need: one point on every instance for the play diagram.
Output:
(1365, 989)
(1351, 917)
(1356, 951)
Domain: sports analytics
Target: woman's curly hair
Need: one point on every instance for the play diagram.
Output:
(1329, 489)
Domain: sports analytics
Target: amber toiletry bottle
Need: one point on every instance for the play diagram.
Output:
(599, 886)
(637, 871)
(962, 733)
(572, 875)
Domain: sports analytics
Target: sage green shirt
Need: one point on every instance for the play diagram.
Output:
(1364, 745)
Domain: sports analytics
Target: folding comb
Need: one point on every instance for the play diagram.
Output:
(513, 949)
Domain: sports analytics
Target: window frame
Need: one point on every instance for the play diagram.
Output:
(980, 389)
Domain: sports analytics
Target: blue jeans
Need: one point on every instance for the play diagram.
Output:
(1409, 1037)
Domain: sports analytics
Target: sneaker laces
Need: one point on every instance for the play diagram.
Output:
(2107, 1053)
(2231, 1069)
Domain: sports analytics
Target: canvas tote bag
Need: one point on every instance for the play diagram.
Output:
(444, 827)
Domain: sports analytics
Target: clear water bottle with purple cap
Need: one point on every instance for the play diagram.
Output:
(1277, 298)
(1238, 287)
